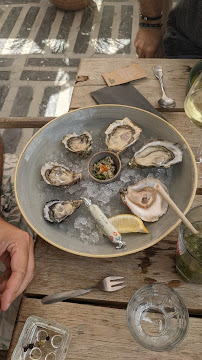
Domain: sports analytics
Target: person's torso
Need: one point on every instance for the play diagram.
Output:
(184, 28)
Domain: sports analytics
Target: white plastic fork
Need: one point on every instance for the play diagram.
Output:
(110, 283)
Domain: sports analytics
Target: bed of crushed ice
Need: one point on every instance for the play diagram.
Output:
(107, 197)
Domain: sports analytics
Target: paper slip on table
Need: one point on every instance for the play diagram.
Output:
(97, 320)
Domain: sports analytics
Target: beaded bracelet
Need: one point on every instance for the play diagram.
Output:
(152, 26)
(142, 17)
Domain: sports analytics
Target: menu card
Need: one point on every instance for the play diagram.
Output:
(124, 75)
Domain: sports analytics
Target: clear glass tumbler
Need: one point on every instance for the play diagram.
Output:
(157, 317)
(189, 248)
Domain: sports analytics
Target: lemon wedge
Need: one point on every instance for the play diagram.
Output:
(126, 223)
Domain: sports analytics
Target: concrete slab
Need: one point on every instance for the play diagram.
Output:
(40, 49)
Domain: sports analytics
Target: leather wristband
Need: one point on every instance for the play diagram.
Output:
(143, 17)
(151, 26)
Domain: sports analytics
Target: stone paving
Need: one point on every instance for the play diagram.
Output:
(40, 50)
(41, 47)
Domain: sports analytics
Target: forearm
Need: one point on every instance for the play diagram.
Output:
(1, 162)
(151, 8)
(148, 41)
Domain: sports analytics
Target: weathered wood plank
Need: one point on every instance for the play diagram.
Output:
(90, 70)
(81, 95)
(23, 122)
(57, 271)
(102, 333)
(175, 78)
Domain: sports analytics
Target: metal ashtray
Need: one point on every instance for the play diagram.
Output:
(100, 156)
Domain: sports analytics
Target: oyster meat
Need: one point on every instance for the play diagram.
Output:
(59, 175)
(56, 211)
(121, 134)
(78, 144)
(157, 153)
(144, 201)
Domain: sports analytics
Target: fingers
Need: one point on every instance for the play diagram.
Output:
(4, 279)
(5, 259)
(19, 262)
(30, 268)
(139, 49)
(144, 52)
(150, 53)
(148, 42)
(159, 52)
(22, 267)
(140, 52)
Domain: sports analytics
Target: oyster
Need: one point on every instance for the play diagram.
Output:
(78, 144)
(121, 134)
(56, 211)
(144, 201)
(59, 175)
(157, 153)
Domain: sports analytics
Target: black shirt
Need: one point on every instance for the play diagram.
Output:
(184, 30)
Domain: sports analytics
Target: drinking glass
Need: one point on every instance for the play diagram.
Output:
(193, 101)
(157, 317)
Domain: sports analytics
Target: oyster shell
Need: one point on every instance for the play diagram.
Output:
(144, 201)
(57, 211)
(157, 153)
(78, 144)
(121, 134)
(59, 175)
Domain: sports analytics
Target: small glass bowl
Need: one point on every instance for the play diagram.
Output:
(99, 156)
(49, 340)
(157, 317)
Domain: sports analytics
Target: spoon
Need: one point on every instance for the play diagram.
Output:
(164, 102)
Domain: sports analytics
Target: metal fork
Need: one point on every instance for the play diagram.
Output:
(110, 283)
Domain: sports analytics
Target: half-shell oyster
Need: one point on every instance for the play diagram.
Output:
(56, 211)
(78, 144)
(121, 134)
(59, 175)
(157, 153)
(144, 201)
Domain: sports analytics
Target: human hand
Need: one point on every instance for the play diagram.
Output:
(17, 254)
(148, 43)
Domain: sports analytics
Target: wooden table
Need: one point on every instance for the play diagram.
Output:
(98, 320)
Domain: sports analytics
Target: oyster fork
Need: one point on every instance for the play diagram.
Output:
(110, 283)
